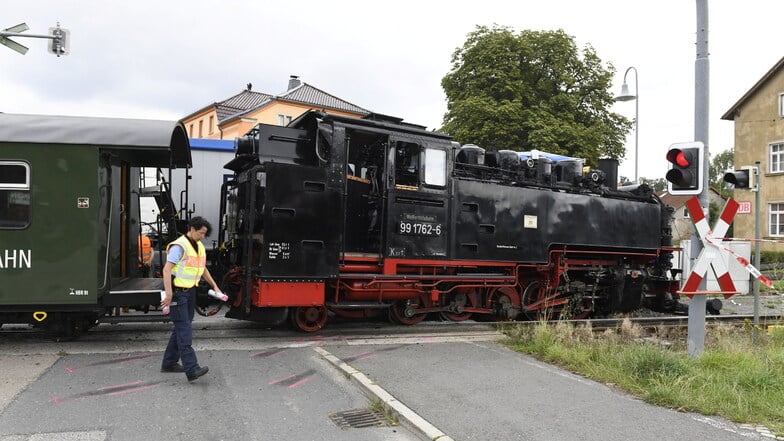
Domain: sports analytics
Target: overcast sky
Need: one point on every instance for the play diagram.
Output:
(167, 58)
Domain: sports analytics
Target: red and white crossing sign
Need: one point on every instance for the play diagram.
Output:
(713, 248)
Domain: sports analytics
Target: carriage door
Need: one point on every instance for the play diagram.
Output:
(417, 200)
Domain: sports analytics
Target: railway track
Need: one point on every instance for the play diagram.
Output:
(222, 328)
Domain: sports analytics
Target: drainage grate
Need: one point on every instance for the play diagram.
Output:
(357, 418)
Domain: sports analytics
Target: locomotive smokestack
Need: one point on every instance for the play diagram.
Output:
(610, 169)
(293, 82)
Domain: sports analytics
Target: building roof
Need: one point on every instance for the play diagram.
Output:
(677, 201)
(730, 114)
(298, 92)
(305, 94)
(247, 99)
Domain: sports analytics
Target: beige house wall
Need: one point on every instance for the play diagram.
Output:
(758, 124)
(202, 124)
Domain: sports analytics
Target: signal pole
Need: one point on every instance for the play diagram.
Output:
(696, 321)
(58, 45)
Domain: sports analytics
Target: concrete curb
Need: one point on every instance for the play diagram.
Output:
(403, 412)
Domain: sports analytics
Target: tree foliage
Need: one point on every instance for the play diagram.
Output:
(532, 90)
(659, 184)
(718, 165)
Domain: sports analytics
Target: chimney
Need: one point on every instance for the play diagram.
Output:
(293, 82)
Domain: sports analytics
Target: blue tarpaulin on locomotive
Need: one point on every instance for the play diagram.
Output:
(551, 156)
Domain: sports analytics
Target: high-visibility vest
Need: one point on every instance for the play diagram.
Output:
(189, 269)
(145, 249)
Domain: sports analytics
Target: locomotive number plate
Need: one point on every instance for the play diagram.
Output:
(419, 228)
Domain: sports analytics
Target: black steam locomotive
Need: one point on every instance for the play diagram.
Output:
(353, 217)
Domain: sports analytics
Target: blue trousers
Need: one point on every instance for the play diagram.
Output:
(179, 347)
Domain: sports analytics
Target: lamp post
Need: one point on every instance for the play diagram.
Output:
(627, 96)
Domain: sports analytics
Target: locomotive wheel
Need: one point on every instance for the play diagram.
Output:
(404, 313)
(461, 300)
(531, 296)
(504, 301)
(309, 318)
(456, 317)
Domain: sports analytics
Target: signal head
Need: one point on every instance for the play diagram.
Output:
(686, 162)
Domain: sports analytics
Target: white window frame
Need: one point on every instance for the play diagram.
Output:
(284, 120)
(19, 190)
(776, 219)
(776, 157)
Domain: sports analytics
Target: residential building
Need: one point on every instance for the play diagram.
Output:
(234, 116)
(759, 137)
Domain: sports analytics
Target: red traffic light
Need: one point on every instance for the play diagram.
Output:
(685, 168)
(681, 158)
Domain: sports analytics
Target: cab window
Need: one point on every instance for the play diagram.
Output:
(435, 167)
(14, 194)
(407, 164)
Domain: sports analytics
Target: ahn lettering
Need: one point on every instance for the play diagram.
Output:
(15, 259)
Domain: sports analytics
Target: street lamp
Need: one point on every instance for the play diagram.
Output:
(627, 96)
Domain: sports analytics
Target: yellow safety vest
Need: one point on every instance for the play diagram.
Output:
(189, 269)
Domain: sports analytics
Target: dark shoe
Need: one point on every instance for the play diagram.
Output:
(173, 368)
(198, 373)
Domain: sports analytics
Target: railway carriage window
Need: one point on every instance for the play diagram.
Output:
(435, 167)
(14, 194)
(407, 164)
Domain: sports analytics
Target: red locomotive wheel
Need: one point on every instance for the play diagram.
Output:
(309, 318)
(462, 300)
(404, 313)
(455, 317)
(531, 295)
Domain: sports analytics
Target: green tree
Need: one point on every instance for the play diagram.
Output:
(659, 184)
(718, 165)
(532, 90)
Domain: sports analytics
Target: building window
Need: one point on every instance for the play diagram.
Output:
(776, 220)
(284, 120)
(201, 124)
(777, 158)
(781, 105)
(15, 205)
(211, 128)
(190, 132)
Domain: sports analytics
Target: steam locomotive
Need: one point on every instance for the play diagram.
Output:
(328, 216)
(346, 216)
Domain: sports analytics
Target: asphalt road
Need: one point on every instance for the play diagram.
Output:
(274, 385)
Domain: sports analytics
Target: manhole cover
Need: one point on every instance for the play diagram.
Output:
(357, 418)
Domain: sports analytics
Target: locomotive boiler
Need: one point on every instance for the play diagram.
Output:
(333, 215)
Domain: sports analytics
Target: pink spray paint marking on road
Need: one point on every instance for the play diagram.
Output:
(300, 382)
(280, 380)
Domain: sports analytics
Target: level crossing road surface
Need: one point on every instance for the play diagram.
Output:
(286, 388)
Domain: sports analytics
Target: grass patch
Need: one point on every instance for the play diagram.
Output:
(733, 378)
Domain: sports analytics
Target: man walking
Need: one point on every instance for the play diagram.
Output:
(185, 265)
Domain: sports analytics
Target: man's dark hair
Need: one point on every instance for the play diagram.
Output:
(198, 222)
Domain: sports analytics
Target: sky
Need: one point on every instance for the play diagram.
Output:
(168, 58)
